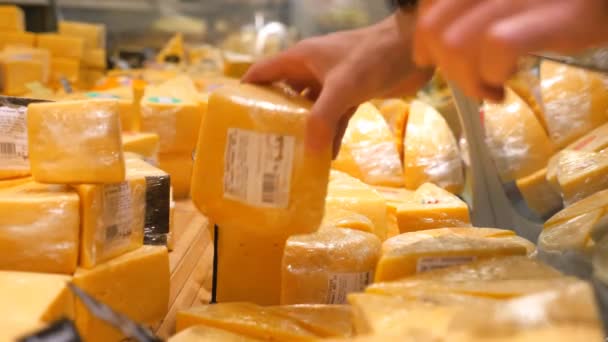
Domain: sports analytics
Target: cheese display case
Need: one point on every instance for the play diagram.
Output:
(147, 194)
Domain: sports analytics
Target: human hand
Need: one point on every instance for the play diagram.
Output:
(477, 43)
(342, 70)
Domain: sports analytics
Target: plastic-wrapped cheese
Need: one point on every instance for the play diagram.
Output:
(129, 118)
(410, 253)
(395, 112)
(39, 228)
(431, 207)
(581, 174)
(251, 160)
(14, 156)
(323, 267)
(598, 200)
(200, 333)
(539, 194)
(173, 111)
(346, 193)
(516, 140)
(324, 320)
(368, 150)
(75, 142)
(144, 144)
(435, 160)
(179, 167)
(575, 101)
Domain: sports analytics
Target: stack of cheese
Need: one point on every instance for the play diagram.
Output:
(174, 110)
(82, 219)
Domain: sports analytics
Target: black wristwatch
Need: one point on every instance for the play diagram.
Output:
(404, 4)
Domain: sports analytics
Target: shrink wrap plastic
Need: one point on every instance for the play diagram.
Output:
(323, 267)
(129, 115)
(252, 169)
(369, 151)
(431, 151)
(581, 174)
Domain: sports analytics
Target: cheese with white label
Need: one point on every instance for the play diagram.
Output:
(39, 228)
(435, 160)
(179, 167)
(324, 267)
(431, 207)
(346, 194)
(251, 160)
(32, 300)
(368, 150)
(75, 142)
(410, 253)
(516, 139)
(575, 101)
(135, 284)
(14, 161)
(113, 218)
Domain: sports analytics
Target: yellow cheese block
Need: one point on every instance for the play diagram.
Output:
(516, 139)
(39, 227)
(179, 166)
(94, 58)
(368, 150)
(12, 182)
(173, 111)
(14, 161)
(395, 196)
(129, 117)
(574, 234)
(246, 319)
(112, 219)
(200, 333)
(581, 174)
(93, 35)
(30, 300)
(410, 253)
(64, 148)
(435, 160)
(16, 74)
(324, 267)
(135, 284)
(539, 194)
(64, 68)
(144, 144)
(575, 101)
(431, 207)
(88, 78)
(323, 320)
(346, 193)
(173, 48)
(562, 332)
(12, 18)
(16, 38)
(249, 125)
(395, 113)
(598, 200)
(236, 65)
(19, 52)
(341, 218)
(61, 45)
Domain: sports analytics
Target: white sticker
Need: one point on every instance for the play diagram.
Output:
(431, 263)
(117, 216)
(339, 285)
(257, 168)
(13, 139)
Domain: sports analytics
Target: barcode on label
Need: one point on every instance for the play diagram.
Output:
(269, 185)
(9, 149)
(111, 232)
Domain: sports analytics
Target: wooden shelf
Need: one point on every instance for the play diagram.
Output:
(191, 264)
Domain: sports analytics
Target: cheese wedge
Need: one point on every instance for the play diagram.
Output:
(173, 111)
(348, 195)
(598, 200)
(581, 174)
(434, 160)
(539, 194)
(368, 150)
(245, 319)
(516, 139)
(200, 333)
(75, 142)
(323, 320)
(92, 35)
(31, 300)
(324, 267)
(179, 167)
(575, 233)
(39, 228)
(575, 101)
(12, 18)
(144, 144)
(432, 207)
(135, 284)
(411, 253)
(173, 49)
(249, 125)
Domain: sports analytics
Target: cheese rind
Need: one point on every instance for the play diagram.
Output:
(112, 219)
(323, 267)
(516, 140)
(244, 126)
(434, 160)
(39, 228)
(368, 150)
(75, 142)
(135, 284)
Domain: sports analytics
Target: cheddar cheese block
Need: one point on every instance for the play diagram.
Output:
(92, 35)
(12, 18)
(581, 174)
(323, 320)
(16, 38)
(144, 144)
(539, 194)
(16, 74)
(179, 167)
